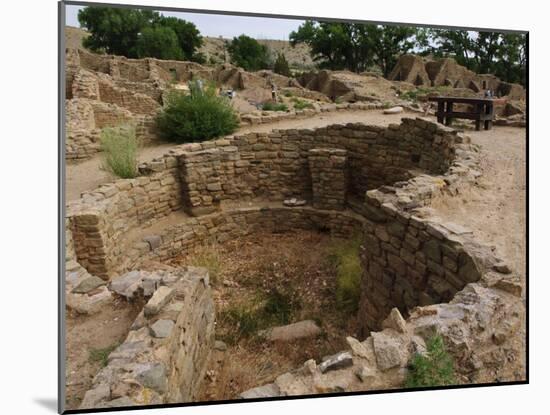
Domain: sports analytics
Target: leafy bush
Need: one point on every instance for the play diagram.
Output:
(197, 116)
(281, 65)
(435, 368)
(300, 104)
(344, 256)
(248, 53)
(274, 106)
(120, 150)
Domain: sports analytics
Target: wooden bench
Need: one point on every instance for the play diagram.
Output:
(483, 110)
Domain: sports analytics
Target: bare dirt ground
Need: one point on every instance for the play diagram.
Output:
(247, 272)
(88, 339)
(88, 175)
(495, 209)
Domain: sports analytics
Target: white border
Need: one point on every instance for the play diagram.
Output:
(29, 203)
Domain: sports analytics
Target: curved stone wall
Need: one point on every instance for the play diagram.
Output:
(201, 177)
(352, 178)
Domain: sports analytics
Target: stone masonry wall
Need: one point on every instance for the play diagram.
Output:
(220, 227)
(163, 359)
(328, 177)
(269, 166)
(102, 219)
(275, 165)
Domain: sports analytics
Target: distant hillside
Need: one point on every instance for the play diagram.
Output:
(74, 36)
(297, 57)
(213, 48)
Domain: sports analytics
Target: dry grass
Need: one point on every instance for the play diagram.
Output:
(209, 257)
(120, 150)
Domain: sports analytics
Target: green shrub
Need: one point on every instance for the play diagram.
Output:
(281, 65)
(300, 104)
(197, 116)
(274, 106)
(344, 256)
(435, 368)
(120, 150)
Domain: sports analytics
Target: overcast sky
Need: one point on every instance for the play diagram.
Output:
(220, 25)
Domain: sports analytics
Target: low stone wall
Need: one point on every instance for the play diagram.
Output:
(136, 102)
(275, 165)
(163, 359)
(220, 227)
(199, 177)
(86, 118)
(101, 220)
(266, 117)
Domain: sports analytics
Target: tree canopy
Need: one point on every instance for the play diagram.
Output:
(248, 53)
(358, 47)
(501, 54)
(138, 33)
(355, 46)
(158, 42)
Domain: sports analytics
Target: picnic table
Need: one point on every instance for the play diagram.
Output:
(483, 110)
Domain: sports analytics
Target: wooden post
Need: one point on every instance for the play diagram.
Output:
(489, 110)
(479, 111)
(440, 110)
(449, 117)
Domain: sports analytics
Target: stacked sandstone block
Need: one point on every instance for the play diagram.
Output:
(165, 355)
(328, 177)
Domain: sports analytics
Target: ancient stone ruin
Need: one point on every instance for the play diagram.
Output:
(421, 275)
(447, 72)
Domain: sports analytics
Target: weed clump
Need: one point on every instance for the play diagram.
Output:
(300, 104)
(101, 355)
(245, 320)
(120, 150)
(434, 368)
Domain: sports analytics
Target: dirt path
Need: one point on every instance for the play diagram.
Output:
(87, 175)
(495, 209)
(89, 340)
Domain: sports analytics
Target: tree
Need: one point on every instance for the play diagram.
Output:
(158, 42)
(114, 30)
(483, 52)
(118, 31)
(248, 53)
(188, 35)
(355, 46)
(281, 65)
(334, 45)
(387, 43)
